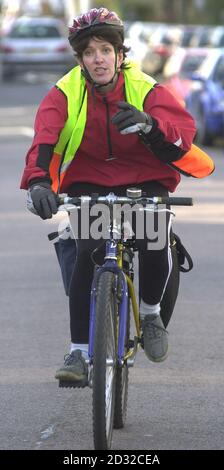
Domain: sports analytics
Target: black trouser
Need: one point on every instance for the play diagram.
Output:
(154, 265)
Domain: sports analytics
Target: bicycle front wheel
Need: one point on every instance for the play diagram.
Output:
(122, 377)
(104, 361)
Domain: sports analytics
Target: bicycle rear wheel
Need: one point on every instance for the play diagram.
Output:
(104, 361)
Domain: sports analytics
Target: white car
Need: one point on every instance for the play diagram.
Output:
(36, 44)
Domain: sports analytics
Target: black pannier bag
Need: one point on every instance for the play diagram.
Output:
(65, 248)
(179, 257)
(66, 254)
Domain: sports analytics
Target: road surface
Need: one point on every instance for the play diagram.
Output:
(177, 404)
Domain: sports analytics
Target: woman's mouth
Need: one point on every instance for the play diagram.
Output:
(100, 70)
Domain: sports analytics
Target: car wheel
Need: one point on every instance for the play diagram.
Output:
(7, 73)
(203, 136)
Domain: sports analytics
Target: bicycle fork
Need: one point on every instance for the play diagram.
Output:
(123, 288)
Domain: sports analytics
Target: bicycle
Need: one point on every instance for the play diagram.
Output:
(111, 350)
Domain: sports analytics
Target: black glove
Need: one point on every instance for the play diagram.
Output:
(130, 119)
(45, 201)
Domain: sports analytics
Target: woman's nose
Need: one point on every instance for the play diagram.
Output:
(98, 57)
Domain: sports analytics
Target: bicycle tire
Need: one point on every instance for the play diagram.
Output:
(105, 347)
(122, 381)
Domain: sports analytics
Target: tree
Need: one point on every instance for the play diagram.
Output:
(214, 11)
(167, 11)
(114, 5)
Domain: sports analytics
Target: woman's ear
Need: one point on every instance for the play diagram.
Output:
(80, 62)
(120, 58)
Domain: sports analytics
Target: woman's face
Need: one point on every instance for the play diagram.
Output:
(99, 58)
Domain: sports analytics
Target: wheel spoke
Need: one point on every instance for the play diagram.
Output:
(109, 391)
(110, 370)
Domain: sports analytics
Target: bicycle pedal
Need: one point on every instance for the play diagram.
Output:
(70, 384)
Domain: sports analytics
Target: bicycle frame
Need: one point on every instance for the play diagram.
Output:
(113, 262)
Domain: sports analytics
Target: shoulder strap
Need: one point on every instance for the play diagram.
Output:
(183, 255)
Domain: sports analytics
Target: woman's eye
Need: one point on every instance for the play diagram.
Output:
(88, 52)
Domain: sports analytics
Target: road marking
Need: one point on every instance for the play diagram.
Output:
(17, 110)
(16, 215)
(22, 254)
(47, 432)
(17, 130)
(45, 375)
(197, 377)
(201, 213)
(27, 375)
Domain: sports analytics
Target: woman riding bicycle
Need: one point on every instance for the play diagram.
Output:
(104, 127)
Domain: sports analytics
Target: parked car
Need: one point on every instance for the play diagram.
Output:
(206, 98)
(184, 61)
(179, 68)
(188, 32)
(202, 36)
(136, 37)
(35, 44)
(161, 46)
(217, 37)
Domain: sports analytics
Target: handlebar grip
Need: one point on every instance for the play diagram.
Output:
(177, 201)
(69, 200)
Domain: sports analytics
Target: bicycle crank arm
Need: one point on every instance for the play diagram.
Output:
(131, 355)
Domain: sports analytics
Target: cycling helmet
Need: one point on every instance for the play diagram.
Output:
(95, 17)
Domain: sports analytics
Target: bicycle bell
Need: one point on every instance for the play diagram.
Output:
(134, 193)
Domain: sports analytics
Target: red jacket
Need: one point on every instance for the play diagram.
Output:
(134, 161)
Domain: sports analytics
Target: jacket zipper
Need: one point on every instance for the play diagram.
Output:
(111, 157)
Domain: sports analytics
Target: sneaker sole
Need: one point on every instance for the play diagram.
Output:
(159, 359)
(70, 377)
(70, 384)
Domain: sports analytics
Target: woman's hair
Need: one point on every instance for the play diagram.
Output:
(110, 35)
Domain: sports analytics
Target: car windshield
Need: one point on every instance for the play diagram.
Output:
(217, 38)
(191, 63)
(34, 31)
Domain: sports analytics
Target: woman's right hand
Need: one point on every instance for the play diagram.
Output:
(45, 201)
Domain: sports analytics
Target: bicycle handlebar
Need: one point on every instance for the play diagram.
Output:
(111, 199)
